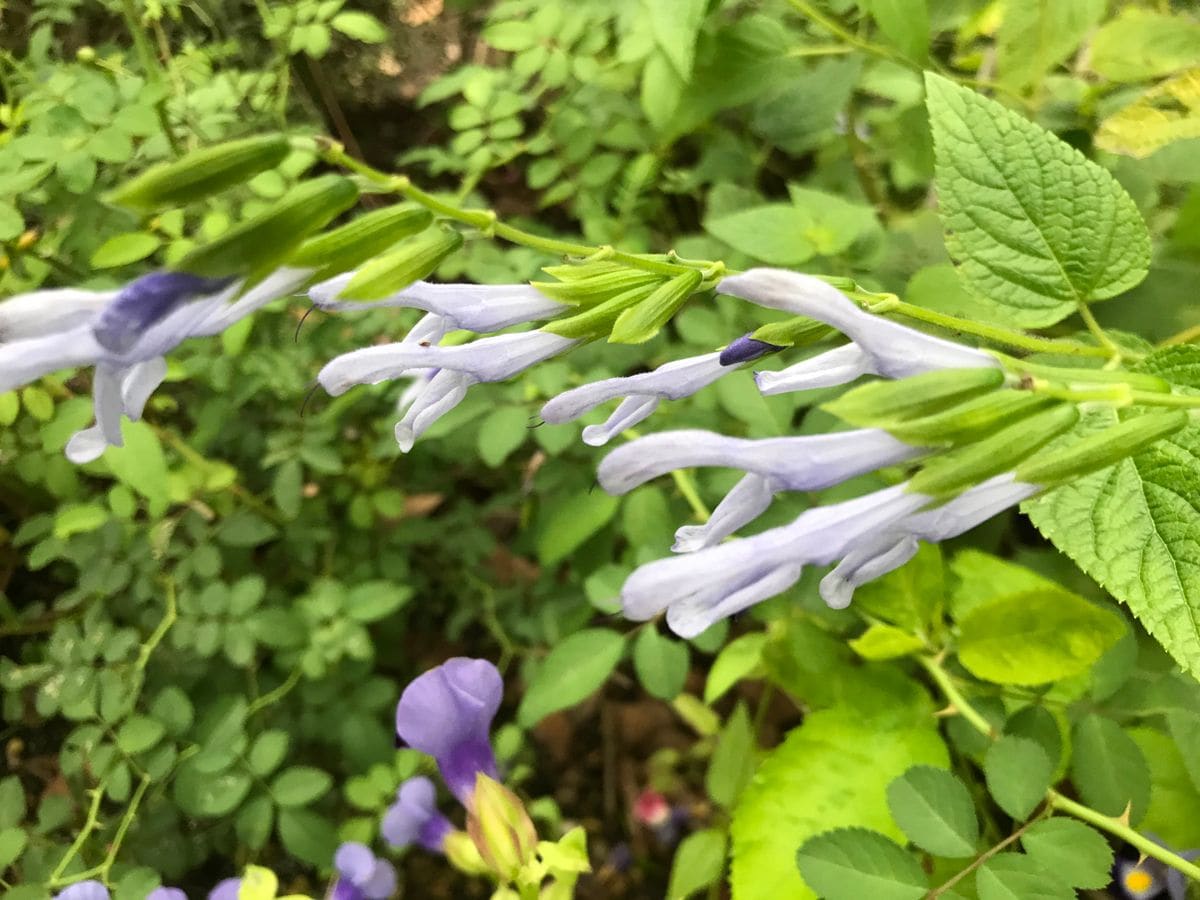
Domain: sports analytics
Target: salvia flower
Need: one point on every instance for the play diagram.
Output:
(124, 335)
(878, 347)
(805, 463)
(447, 712)
(414, 817)
(641, 395)
(361, 875)
(84, 890)
(494, 358)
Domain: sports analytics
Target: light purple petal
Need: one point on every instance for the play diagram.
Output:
(833, 367)
(864, 564)
(139, 383)
(28, 360)
(354, 861)
(219, 316)
(226, 889)
(166, 893)
(145, 301)
(630, 412)
(970, 508)
(84, 890)
(745, 502)
(414, 818)
(696, 614)
(382, 883)
(44, 313)
(438, 396)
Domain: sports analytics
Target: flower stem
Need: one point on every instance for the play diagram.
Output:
(1183, 337)
(1089, 319)
(89, 825)
(1115, 827)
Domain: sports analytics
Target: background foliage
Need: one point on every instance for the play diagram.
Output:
(204, 632)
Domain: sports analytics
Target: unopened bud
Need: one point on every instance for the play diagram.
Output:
(597, 321)
(969, 421)
(596, 289)
(1074, 377)
(642, 322)
(411, 261)
(883, 403)
(798, 331)
(365, 238)
(951, 472)
(201, 173)
(1101, 449)
(501, 828)
(461, 852)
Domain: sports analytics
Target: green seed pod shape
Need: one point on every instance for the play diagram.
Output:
(411, 261)
(884, 403)
(365, 238)
(642, 322)
(969, 421)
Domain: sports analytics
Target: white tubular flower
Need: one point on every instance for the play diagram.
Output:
(865, 564)
(481, 308)
(701, 588)
(125, 335)
(493, 358)
(881, 347)
(807, 463)
(642, 393)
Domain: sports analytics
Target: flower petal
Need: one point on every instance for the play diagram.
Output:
(48, 312)
(24, 361)
(833, 367)
(745, 502)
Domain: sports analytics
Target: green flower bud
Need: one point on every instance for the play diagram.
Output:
(259, 244)
(798, 331)
(597, 321)
(501, 828)
(461, 853)
(1071, 376)
(411, 261)
(596, 289)
(642, 322)
(969, 421)
(1101, 449)
(951, 472)
(200, 173)
(365, 238)
(884, 403)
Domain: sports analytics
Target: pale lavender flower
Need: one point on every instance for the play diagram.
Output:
(480, 308)
(414, 817)
(361, 875)
(701, 588)
(226, 889)
(447, 712)
(879, 347)
(125, 341)
(805, 463)
(866, 563)
(494, 358)
(642, 393)
(166, 893)
(48, 312)
(84, 890)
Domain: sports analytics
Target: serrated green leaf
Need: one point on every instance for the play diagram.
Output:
(699, 861)
(1015, 876)
(1036, 227)
(1132, 527)
(1038, 725)
(661, 663)
(1109, 769)
(905, 23)
(935, 811)
(575, 668)
(1140, 44)
(1074, 852)
(1037, 35)
(830, 772)
(851, 863)
(1018, 773)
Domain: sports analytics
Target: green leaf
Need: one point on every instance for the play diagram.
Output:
(698, 863)
(1173, 796)
(1039, 725)
(737, 660)
(267, 751)
(852, 863)
(569, 520)
(1036, 227)
(831, 772)
(253, 823)
(141, 465)
(905, 23)
(307, 836)
(773, 233)
(661, 663)
(912, 596)
(300, 786)
(934, 809)
(502, 432)
(1014, 876)
(375, 600)
(1132, 527)
(1018, 774)
(732, 764)
(1109, 769)
(209, 795)
(572, 671)
(12, 223)
(123, 249)
(1036, 36)
(512, 37)
(12, 845)
(1140, 44)
(12, 802)
(139, 733)
(1074, 852)
(1033, 637)
(675, 27)
(881, 641)
(78, 519)
(361, 26)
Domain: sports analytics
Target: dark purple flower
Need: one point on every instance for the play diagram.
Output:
(414, 819)
(746, 349)
(361, 875)
(226, 889)
(84, 890)
(447, 713)
(143, 302)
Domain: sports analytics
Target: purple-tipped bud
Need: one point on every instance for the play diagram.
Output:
(746, 349)
(414, 818)
(145, 301)
(447, 713)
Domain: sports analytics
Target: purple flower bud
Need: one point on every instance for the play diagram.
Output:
(361, 875)
(414, 818)
(166, 893)
(746, 349)
(145, 301)
(226, 889)
(84, 890)
(447, 713)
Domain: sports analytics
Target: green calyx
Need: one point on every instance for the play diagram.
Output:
(881, 404)
(411, 261)
(969, 421)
